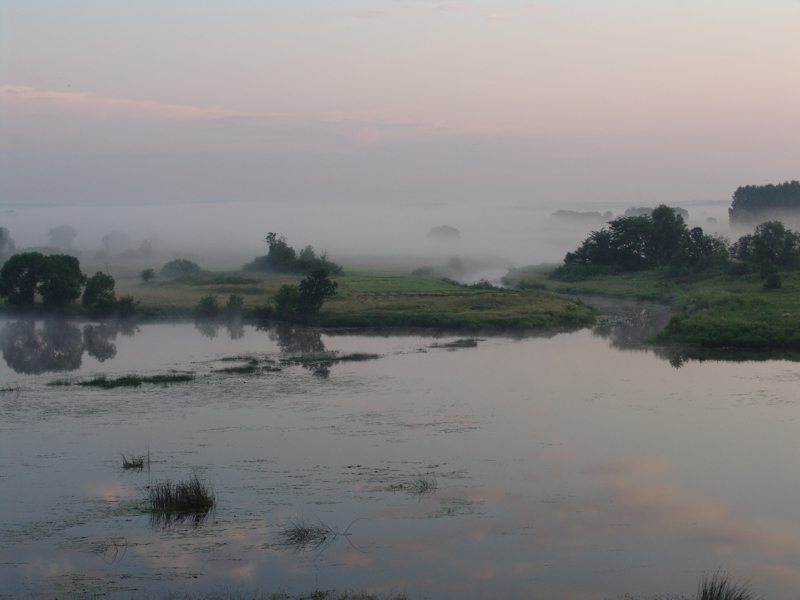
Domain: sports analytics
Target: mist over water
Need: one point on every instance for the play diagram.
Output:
(224, 235)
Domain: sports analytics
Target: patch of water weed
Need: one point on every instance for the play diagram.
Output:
(13, 390)
(189, 501)
(61, 382)
(461, 343)
(721, 586)
(300, 535)
(226, 594)
(105, 383)
(110, 550)
(454, 507)
(241, 370)
(420, 485)
(135, 462)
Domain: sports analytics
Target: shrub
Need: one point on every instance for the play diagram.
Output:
(126, 306)
(208, 306)
(235, 304)
(282, 258)
(179, 268)
(99, 296)
(147, 275)
(773, 282)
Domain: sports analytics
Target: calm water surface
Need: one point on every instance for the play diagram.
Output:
(575, 466)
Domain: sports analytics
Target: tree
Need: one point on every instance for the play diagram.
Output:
(770, 242)
(6, 243)
(752, 203)
(19, 279)
(61, 237)
(305, 301)
(61, 280)
(147, 275)
(99, 296)
(282, 258)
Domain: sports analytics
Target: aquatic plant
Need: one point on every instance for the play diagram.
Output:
(183, 501)
(721, 586)
(247, 369)
(300, 535)
(134, 462)
(226, 594)
(462, 343)
(419, 485)
(130, 380)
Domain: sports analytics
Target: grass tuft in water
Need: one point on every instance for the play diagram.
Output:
(105, 383)
(300, 535)
(462, 343)
(721, 586)
(241, 370)
(315, 595)
(134, 462)
(183, 501)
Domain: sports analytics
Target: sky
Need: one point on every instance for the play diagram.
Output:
(551, 104)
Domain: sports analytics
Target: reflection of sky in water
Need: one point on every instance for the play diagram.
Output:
(565, 468)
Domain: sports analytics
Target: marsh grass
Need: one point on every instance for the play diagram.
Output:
(462, 343)
(60, 383)
(300, 535)
(105, 383)
(188, 501)
(225, 594)
(248, 369)
(721, 586)
(135, 462)
(13, 390)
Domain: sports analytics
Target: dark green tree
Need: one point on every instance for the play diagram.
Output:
(20, 277)
(770, 242)
(61, 280)
(300, 303)
(147, 274)
(180, 268)
(99, 296)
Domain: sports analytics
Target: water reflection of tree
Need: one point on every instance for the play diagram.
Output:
(628, 326)
(207, 328)
(98, 340)
(58, 346)
(210, 327)
(292, 339)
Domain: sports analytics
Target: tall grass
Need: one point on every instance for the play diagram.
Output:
(721, 586)
(134, 462)
(182, 501)
(301, 535)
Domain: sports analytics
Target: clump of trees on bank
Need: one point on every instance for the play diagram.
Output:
(663, 240)
(58, 280)
(754, 203)
(282, 258)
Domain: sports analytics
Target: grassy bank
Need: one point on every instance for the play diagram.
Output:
(374, 299)
(717, 312)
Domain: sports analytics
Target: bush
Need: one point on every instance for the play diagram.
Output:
(235, 304)
(147, 274)
(207, 307)
(99, 296)
(773, 282)
(299, 303)
(424, 272)
(126, 306)
(180, 268)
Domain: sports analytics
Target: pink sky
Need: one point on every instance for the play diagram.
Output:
(551, 102)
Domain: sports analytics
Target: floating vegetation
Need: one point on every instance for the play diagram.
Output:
(420, 485)
(188, 501)
(462, 343)
(13, 390)
(315, 595)
(111, 550)
(133, 462)
(133, 380)
(61, 382)
(241, 370)
(721, 586)
(300, 535)
(453, 507)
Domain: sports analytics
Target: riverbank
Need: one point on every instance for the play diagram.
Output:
(374, 299)
(715, 312)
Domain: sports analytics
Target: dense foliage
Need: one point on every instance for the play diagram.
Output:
(99, 296)
(180, 268)
(641, 242)
(282, 258)
(299, 303)
(57, 278)
(753, 203)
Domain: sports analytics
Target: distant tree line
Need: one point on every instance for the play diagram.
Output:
(663, 240)
(754, 203)
(282, 258)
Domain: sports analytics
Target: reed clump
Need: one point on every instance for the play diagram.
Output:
(301, 535)
(721, 586)
(135, 462)
(190, 498)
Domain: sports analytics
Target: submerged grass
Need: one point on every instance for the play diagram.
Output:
(462, 343)
(241, 370)
(300, 535)
(419, 485)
